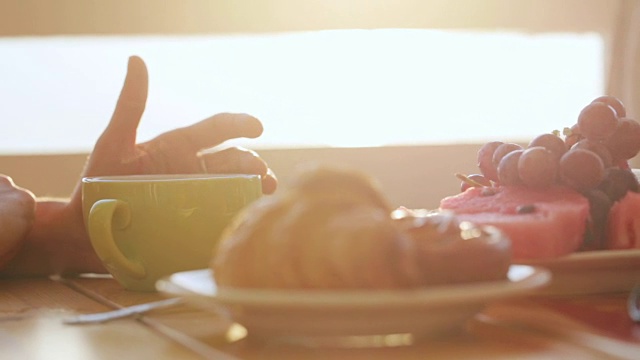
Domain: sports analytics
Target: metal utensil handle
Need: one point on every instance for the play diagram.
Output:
(633, 303)
(120, 313)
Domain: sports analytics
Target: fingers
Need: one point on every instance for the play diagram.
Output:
(269, 182)
(15, 201)
(8, 185)
(6, 181)
(234, 160)
(237, 160)
(215, 130)
(123, 126)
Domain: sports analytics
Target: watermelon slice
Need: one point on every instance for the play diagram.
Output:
(623, 227)
(541, 223)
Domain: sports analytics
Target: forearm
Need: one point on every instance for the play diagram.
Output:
(57, 243)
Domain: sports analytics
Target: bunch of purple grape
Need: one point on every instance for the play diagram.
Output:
(591, 157)
(591, 154)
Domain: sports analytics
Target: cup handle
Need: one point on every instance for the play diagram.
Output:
(103, 216)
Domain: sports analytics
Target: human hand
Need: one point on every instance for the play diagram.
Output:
(176, 151)
(17, 209)
(58, 240)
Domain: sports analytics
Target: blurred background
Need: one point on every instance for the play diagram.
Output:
(404, 90)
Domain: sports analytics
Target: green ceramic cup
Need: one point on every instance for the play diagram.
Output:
(145, 227)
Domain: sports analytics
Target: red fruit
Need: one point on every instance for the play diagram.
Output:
(623, 226)
(573, 136)
(554, 225)
(508, 173)
(485, 160)
(623, 164)
(503, 150)
(537, 167)
(624, 143)
(475, 180)
(614, 102)
(581, 169)
(597, 147)
(550, 142)
(597, 121)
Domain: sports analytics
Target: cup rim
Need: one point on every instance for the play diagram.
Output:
(163, 177)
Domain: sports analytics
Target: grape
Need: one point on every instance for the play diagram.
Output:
(601, 139)
(573, 136)
(581, 169)
(617, 182)
(624, 143)
(623, 164)
(488, 191)
(477, 178)
(597, 121)
(614, 102)
(537, 167)
(480, 179)
(503, 150)
(508, 168)
(550, 142)
(599, 206)
(485, 160)
(597, 147)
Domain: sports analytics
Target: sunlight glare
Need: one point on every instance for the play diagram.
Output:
(325, 88)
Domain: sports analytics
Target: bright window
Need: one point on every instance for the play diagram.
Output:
(327, 88)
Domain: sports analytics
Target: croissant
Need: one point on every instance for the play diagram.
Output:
(333, 229)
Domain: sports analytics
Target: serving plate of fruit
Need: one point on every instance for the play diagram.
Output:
(591, 272)
(568, 200)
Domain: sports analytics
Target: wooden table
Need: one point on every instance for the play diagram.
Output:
(32, 312)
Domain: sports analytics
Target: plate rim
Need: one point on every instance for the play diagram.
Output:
(599, 257)
(436, 295)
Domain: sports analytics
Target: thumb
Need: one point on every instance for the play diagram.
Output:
(130, 106)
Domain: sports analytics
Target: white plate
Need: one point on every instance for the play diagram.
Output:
(592, 272)
(318, 313)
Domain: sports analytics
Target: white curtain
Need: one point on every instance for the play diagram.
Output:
(624, 60)
(631, 62)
